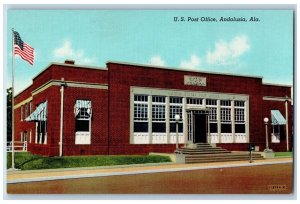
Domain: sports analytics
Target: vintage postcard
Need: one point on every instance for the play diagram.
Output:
(150, 101)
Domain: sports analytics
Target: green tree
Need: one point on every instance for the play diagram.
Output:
(9, 112)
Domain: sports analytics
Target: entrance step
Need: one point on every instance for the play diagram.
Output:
(206, 153)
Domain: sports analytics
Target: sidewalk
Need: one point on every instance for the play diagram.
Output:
(55, 174)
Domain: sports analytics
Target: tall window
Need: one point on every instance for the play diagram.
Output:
(41, 119)
(175, 109)
(213, 123)
(141, 113)
(158, 114)
(83, 115)
(41, 131)
(22, 112)
(226, 116)
(30, 107)
(239, 116)
(26, 110)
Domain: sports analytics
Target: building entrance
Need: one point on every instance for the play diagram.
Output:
(200, 128)
(197, 126)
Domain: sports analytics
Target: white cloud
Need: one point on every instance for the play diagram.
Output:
(67, 52)
(228, 52)
(193, 63)
(157, 60)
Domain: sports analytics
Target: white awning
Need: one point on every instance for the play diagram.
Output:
(277, 118)
(83, 104)
(40, 113)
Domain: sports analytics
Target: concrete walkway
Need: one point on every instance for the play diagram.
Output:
(55, 174)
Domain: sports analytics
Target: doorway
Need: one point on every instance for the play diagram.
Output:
(200, 128)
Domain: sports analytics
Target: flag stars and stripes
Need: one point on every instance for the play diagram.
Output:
(25, 51)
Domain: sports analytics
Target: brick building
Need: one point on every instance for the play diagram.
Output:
(130, 109)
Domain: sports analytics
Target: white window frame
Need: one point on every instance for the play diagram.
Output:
(141, 109)
(213, 114)
(240, 113)
(176, 108)
(21, 136)
(26, 110)
(159, 116)
(39, 132)
(30, 107)
(22, 112)
(194, 101)
(225, 115)
(83, 137)
(275, 136)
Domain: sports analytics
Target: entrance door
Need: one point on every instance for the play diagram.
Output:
(199, 128)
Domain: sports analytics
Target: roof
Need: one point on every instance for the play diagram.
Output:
(180, 69)
(71, 65)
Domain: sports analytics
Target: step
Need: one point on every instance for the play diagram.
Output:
(203, 144)
(208, 147)
(201, 150)
(225, 155)
(221, 156)
(205, 152)
(219, 160)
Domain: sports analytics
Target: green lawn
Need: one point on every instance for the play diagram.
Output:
(27, 161)
(283, 154)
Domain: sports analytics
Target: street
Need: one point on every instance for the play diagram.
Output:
(261, 179)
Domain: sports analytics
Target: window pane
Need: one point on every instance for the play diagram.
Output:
(239, 115)
(240, 128)
(175, 110)
(177, 100)
(213, 127)
(158, 99)
(173, 127)
(141, 127)
(158, 113)
(158, 127)
(41, 131)
(225, 114)
(84, 113)
(225, 102)
(212, 102)
(141, 112)
(213, 114)
(226, 128)
(82, 125)
(239, 103)
(195, 101)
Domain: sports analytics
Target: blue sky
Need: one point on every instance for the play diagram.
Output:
(93, 37)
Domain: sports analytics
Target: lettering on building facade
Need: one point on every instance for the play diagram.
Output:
(194, 80)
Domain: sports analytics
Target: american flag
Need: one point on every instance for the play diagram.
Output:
(23, 49)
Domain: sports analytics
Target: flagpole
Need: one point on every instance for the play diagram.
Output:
(12, 104)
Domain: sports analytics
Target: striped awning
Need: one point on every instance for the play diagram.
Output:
(85, 104)
(277, 118)
(40, 113)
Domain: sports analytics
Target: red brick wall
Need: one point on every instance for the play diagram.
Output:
(26, 93)
(279, 105)
(121, 77)
(276, 91)
(99, 99)
(99, 126)
(70, 73)
(21, 125)
(99, 121)
(111, 108)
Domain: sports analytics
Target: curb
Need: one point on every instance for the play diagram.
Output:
(18, 171)
(40, 179)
